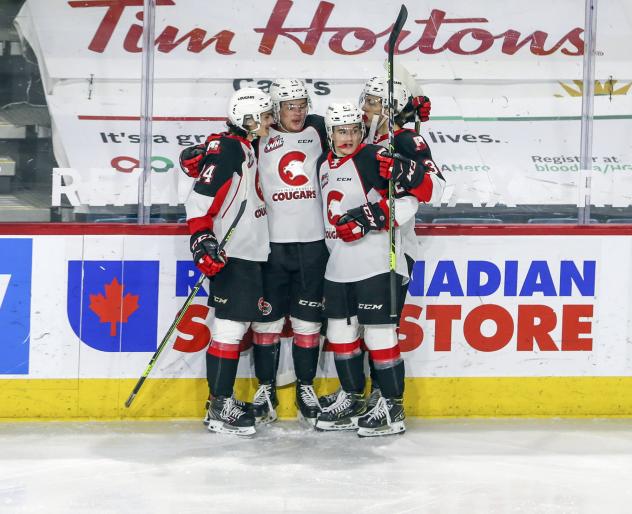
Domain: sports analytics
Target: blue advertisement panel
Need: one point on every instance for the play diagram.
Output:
(15, 305)
(113, 305)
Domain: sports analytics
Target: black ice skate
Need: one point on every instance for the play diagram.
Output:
(343, 414)
(225, 417)
(386, 418)
(264, 404)
(307, 403)
(245, 406)
(328, 399)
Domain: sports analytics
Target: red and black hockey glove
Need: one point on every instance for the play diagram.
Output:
(422, 107)
(190, 160)
(417, 106)
(204, 247)
(407, 173)
(386, 162)
(357, 222)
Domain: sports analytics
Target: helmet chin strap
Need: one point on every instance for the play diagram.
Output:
(373, 128)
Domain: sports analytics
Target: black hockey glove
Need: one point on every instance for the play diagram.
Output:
(404, 171)
(204, 247)
(357, 222)
(190, 160)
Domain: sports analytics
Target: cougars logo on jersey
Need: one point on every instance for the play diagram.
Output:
(334, 210)
(291, 169)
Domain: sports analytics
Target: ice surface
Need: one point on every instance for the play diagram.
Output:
(447, 467)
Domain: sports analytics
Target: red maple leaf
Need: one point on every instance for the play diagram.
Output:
(113, 308)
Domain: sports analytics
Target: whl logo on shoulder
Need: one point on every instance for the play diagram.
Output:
(113, 305)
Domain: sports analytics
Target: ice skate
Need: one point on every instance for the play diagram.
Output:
(245, 406)
(225, 417)
(386, 418)
(328, 399)
(343, 414)
(264, 404)
(307, 403)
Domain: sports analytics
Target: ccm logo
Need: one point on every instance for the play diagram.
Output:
(305, 140)
(310, 304)
(217, 299)
(370, 306)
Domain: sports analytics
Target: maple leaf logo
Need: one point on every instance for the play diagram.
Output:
(113, 308)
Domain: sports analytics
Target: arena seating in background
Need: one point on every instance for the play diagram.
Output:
(467, 221)
(557, 221)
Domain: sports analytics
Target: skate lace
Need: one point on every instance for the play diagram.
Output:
(342, 402)
(262, 396)
(380, 410)
(230, 410)
(308, 396)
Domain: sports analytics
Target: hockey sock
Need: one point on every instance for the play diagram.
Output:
(391, 380)
(305, 356)
(374, 380)
(266, 353)
(221, 368)
(351, 373)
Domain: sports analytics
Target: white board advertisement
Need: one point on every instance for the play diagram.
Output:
(96, 306)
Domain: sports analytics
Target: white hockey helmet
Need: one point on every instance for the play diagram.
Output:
(283, 90)
(248, 102)
(378, 86)
(341, 114)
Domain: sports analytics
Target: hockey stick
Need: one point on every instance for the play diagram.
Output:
(392, 40)
(183, 309)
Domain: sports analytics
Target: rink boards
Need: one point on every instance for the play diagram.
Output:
(509, 321)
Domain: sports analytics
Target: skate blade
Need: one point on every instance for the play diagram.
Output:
(270, 417)
(219, 427)
(332, 426)
(392, 429)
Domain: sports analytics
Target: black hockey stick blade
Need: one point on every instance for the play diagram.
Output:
(183, 309)
(397, 30)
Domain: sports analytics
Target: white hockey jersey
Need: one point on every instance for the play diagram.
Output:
(287, 167)
(347, 183)
(229, 175)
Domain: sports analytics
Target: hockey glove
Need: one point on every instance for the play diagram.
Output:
(422, 107)
(190, 160)
(204, 248)
(407, 173)
(417, 106)
(356, 223)
(403, 170)
(386, 161)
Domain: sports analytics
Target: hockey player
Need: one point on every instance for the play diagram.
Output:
(225, 169)
(422, 178)
(356, 289)
(416, 172)
(293, 275)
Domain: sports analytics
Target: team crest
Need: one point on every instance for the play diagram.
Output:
(264, 307)
(324, 179)
(291, 169)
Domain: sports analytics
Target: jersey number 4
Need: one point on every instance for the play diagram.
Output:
(207, 174)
